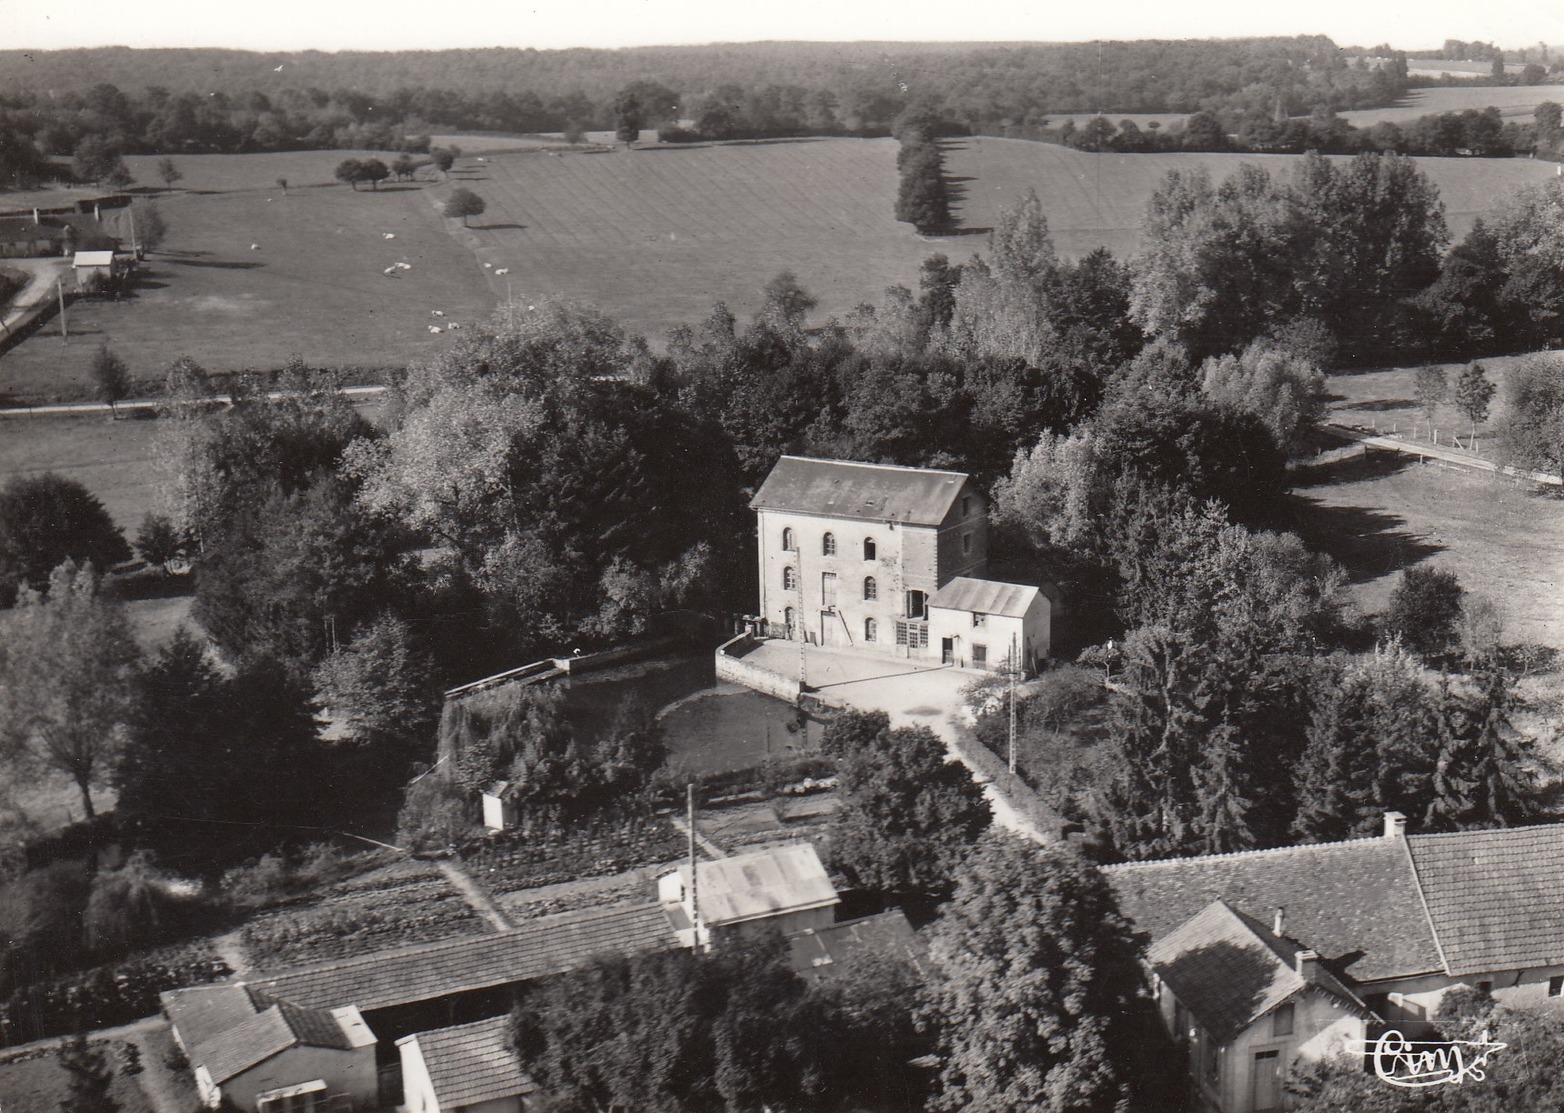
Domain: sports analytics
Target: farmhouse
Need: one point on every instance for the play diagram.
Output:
(20, 236)
(853, 555)
(256, 1053)
(1266, 956)
(410, 1005)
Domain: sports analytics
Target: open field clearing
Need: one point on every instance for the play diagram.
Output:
(115, 460)
(1380, 515)
(655, 237)
(1514, 102)
(1386, 400)
(315, 286)
(1096, 199)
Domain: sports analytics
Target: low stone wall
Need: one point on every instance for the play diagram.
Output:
(732, 668)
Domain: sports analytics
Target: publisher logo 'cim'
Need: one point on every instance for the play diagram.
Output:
(1415, 1063)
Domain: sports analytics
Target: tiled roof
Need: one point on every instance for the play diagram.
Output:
(471, 1064)
(832, 951)
(540, 947)
(1496, 897)
(769, 881)
(263, 1035)
(978, 595)
(859, 490)
(1356, 902)
(1229, 970)
(205, 1011)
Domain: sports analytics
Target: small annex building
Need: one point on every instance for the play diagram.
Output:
(785, 888)
(470, 1068)
(978, 623)
(258, 1054)
(853, 554)
(1374, 931)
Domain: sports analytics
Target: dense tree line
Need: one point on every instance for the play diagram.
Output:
(174, 101)
(1478, 132)
(922, 199)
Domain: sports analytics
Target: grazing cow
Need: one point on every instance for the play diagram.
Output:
(501, 271)
(456, 325)
(488, 265)
(438, 313)
(389, 236)
(434, 329)
(255, 248)
(389, 271)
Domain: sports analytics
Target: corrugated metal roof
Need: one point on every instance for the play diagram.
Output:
(540, 947)
(471, 1064)
(978, 595)
(1496, 897)
(767, 882)
(859, 491)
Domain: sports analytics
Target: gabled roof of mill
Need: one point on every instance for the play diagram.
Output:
(979, 595)
(859, 491)
(471, 1064)
(1229, 970)
(275, 1030)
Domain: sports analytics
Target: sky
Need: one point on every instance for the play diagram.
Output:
(548, 24)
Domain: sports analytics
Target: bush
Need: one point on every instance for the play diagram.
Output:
(103, 997)
(1425, 610)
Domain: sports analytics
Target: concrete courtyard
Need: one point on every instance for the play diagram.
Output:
(911, 692)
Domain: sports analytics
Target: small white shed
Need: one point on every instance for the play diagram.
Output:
(976, 623)
(499, 807)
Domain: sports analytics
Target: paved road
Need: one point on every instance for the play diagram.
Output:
(1441, 453)
(362, 392)
(42, 272)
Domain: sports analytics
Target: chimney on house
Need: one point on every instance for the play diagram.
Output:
(1279, 922)
(1395, 825)
(35, 216)
(1308, 963)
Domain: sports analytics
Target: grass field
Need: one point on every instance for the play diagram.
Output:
(1514, 102)
(1380, 515)
(1386, 400)
(315, 286)
(1098, 199)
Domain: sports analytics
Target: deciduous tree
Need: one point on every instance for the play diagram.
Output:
(67, 666)
(90, 1080)
(111, 377)
(1425, 609)
(169, 172)
(464, 203)
(1037, 990)
(908, 813)
(1473, 394)
(46, 519)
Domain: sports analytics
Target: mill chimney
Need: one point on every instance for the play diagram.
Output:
(1279, 922)
(1308, 964)
(1395, 825)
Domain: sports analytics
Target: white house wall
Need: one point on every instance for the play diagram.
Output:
(344, 1072)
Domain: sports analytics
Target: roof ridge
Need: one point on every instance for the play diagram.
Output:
(1494, 830)
(872, 465)
(526, 926)
(1422, 899)
(1375, 840)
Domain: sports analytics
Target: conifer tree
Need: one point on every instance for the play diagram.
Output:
(90, 1078)
(1481, 779)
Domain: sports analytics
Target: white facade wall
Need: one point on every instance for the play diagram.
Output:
(1412, 1003)
(344, 1072)
(1031, 635)
(1322, 1028)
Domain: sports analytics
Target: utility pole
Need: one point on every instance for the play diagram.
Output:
(695, 885)
(1015, 666)
(65, 330)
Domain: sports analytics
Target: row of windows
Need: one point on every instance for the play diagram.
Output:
(827, 544)
(871, 588)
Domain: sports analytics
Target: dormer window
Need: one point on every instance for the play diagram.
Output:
(868, 550)
(828, 544)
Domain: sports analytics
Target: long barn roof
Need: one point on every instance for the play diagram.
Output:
(859, 491)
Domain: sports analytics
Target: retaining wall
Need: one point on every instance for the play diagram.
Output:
(731, 668)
